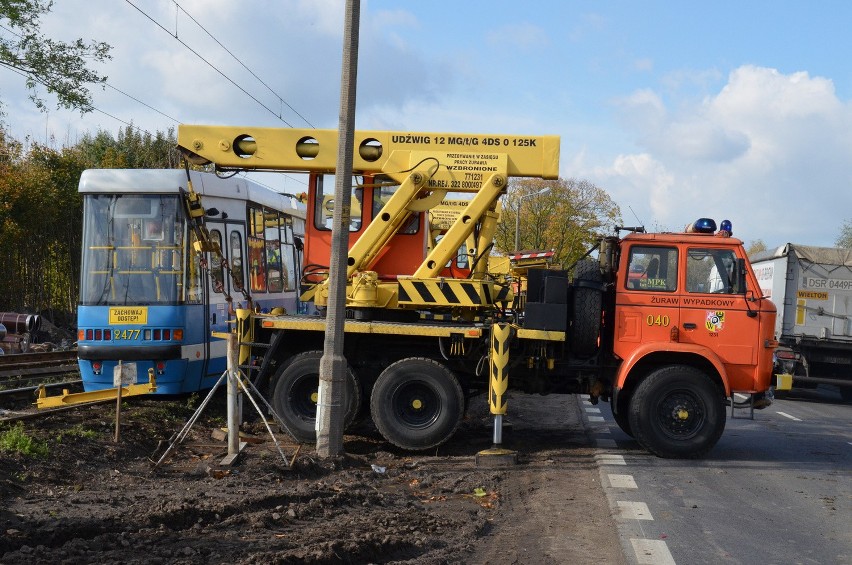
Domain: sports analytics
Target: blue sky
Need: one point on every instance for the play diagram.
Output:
(737, 110)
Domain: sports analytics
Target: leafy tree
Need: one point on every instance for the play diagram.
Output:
(59, 67)
(756, 246)
(845, 237)
(41, 213)
(567, 219)
(132, 149)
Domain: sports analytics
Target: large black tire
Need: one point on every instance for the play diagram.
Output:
(295, 395)
(417, 403)
(622, 415)
(677, 412)
(587, 304)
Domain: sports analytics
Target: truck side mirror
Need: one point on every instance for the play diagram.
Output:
(740, 284)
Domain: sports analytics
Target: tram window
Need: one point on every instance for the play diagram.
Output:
(257, 265)
(256, 224)
(193, 275)
(272, 234)
(288, 254)
(216, 271)
(273, 266)
(237, 260)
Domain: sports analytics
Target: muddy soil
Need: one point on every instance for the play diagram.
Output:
(91, 500)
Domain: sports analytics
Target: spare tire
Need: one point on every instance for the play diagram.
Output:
(586, 312)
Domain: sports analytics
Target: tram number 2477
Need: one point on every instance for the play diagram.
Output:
(658, 320)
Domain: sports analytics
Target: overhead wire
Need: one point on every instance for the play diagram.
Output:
(209, 64)
(237, 59)
(91, 107)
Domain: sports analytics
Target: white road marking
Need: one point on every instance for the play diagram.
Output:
(610, 459)
(596, 418)
(652, 552)
(634, 510)
(622, 481)
(607, 443)
(789, 416)
(593, 410)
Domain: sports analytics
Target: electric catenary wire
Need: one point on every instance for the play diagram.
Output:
(252, 73)
(211, 65)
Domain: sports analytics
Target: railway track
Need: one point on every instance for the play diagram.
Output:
(22, 374)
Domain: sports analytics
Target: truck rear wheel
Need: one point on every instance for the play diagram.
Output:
(677, 412)
(296, 394)
(587, 306)
(417, 403)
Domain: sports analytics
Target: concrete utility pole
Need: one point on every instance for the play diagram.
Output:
(332, 378)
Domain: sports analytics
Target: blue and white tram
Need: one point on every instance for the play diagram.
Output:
(144, 296)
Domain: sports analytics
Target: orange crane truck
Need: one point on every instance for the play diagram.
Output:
(666, 327)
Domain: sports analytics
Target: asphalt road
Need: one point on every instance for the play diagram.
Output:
(775, 489)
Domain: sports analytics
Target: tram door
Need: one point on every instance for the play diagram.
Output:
(231, 239)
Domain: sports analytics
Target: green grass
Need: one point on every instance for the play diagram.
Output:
(77, 431)
(16, 440)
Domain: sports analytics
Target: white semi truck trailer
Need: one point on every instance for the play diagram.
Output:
(812, 289)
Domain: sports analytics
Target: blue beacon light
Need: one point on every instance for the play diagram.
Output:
(704, 225)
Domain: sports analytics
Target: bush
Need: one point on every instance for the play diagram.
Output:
(16, 440)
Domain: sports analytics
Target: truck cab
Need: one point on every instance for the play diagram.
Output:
(686, 306)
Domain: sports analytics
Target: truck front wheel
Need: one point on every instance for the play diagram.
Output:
(621, 414)
(677, 412)
(417, 403)
(296, 394)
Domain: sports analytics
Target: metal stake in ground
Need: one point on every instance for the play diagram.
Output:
(234, 445)
(122, 375)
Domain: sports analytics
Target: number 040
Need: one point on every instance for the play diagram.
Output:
(658, 320)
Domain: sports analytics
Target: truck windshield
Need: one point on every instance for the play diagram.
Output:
(134, 251)
(711, 271)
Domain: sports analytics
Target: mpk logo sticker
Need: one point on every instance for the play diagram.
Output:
(715, 320)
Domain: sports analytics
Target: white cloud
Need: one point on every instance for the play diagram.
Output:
(770, 151)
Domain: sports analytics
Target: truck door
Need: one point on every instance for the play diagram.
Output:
(647, 300)
(714, 312)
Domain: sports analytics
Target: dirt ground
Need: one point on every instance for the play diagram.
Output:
(93, 501)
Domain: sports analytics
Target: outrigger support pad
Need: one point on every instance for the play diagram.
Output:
(68, 399)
